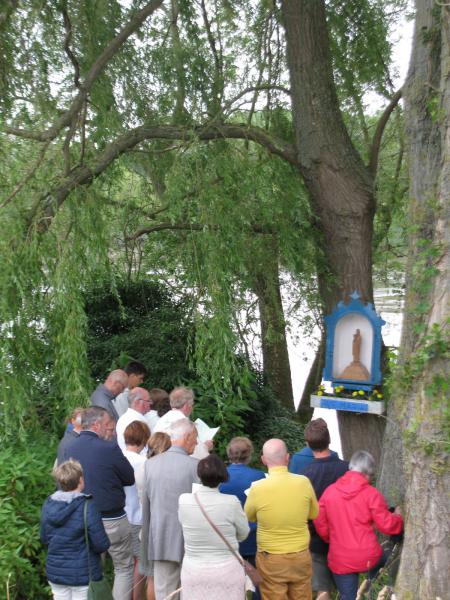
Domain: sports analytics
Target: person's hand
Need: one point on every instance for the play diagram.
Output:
(209, 444)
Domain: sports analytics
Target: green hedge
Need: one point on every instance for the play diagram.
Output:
(25, 482)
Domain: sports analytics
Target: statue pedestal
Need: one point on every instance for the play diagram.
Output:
(373, 407)
(355, 371)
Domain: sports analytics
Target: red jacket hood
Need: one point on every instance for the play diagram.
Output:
(351, 484)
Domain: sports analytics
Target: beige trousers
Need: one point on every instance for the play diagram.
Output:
(121, 552)
(286, 576)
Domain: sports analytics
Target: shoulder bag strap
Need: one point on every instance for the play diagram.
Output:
(86, 537)
(217, 530)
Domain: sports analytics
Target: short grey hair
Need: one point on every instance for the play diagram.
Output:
(179, 429)
(92, 415)
(134, 395)
(180, 396)
(118, 375)
(362, 462)
(240, 450)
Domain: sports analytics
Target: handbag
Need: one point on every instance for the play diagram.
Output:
(251, 571)
(97, 590)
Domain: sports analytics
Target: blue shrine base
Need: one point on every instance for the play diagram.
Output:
(348, 404)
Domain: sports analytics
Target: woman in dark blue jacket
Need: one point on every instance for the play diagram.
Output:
(62, 530)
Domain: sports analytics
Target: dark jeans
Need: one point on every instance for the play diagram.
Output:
(251, 559)
(347, 584)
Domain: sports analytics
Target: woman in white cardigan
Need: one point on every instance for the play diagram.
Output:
(209, 568)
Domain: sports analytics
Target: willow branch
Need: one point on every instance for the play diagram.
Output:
(92, 75)
(256, 88)
(7, 10)
(180, 93)
(376, 141)
(211, 41)
(27, 177)
(190, 227)
(68, 49)
(84, 174)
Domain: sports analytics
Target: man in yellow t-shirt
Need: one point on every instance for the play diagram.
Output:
(281, 504)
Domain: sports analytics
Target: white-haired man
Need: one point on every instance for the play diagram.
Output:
(182, 404)
(139, 404)
(281, 505)
(167, 476)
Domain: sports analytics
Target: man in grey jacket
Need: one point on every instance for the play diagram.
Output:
(105, 393)
(167, 476)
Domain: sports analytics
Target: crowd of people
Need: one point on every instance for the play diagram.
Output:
(133, 480)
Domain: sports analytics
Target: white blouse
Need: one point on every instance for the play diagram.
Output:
(132, 503)
(201, 542)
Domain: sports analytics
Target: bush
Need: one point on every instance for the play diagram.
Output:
(25, 483)
(268, 418)
(141, 322)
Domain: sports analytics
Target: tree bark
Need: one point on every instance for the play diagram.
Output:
(419, 407)
(339, 185)
(277, 370)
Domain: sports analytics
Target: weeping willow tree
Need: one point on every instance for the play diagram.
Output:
(92, 92)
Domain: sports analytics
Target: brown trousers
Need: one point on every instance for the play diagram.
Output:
(286, 576)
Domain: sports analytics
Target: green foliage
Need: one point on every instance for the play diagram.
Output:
(434, 345)
(25, 482)
(269, 419)
(142, 320)
(44, 369)
(257, 414)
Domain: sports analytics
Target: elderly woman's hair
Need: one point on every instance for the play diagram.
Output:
(240, 450)
(181, 396)
(136, 433)
(179, 429)
(362, 462)
(158, 443)
(317, 435)
(68, 474)
(212, 471)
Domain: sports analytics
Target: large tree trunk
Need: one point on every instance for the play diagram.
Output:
(420, 405)
(339, 185)
(277, 370)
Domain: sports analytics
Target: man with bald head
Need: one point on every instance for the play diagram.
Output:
(105, 393)
(281, 505)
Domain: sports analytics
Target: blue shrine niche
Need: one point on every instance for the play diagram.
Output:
(353, 345)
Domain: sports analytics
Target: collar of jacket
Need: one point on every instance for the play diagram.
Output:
(178, 450)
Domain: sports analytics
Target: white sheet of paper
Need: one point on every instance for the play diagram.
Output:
(248, 489)
(205, 432)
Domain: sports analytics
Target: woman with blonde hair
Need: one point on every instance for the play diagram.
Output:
(158, 443)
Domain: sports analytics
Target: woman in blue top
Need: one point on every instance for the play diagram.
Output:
(62, 530)
(240, 478)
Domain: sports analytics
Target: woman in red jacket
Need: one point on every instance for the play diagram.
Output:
(348, 512)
